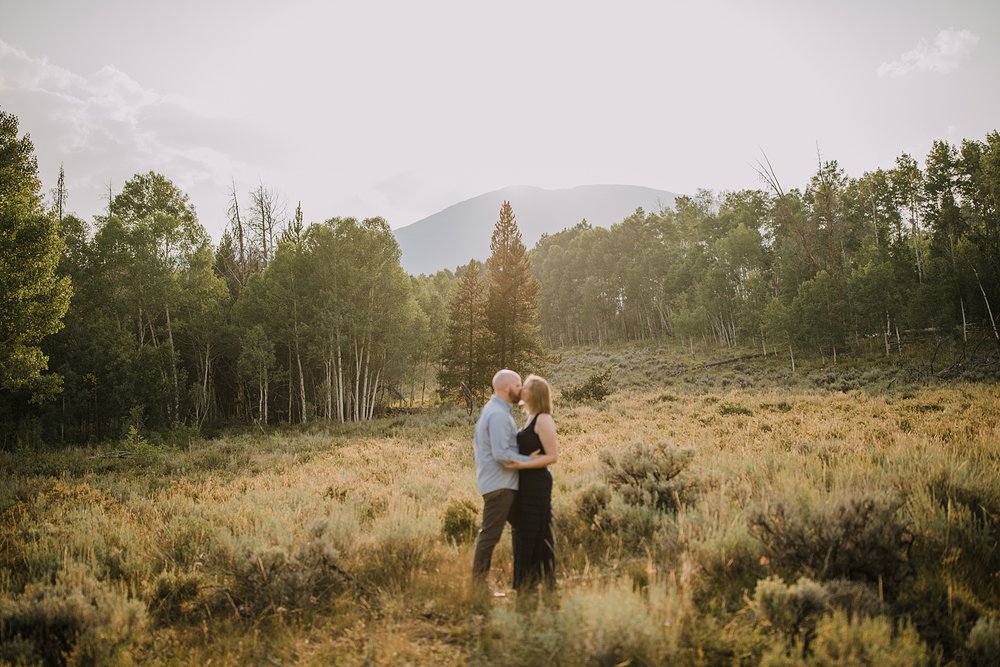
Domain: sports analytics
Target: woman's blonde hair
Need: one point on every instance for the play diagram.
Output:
(539, 398)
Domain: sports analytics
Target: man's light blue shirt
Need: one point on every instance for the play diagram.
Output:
(495, 442)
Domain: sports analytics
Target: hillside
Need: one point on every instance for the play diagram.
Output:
(453, 236)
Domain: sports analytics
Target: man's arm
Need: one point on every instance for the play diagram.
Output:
(503, 438)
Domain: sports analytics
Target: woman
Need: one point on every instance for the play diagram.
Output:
(534, 554)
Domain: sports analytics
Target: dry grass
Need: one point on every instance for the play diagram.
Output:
(326, 546)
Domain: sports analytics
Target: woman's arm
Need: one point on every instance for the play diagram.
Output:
(545, 427)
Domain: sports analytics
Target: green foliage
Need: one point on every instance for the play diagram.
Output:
(177, 597)
(75, 621)
(512, 298)
(33, 297)
(267, 580)
(793, 611)
(460, 521)
(465, 355)
(852, 537)
(594, 388)
(820, 268)
(647, 475)
(840, 640)
(595, 628)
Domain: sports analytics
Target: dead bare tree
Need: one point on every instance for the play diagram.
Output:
(267, 214)
(766, 172)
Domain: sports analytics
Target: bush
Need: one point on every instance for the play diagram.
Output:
(983, 645)
(175, 596)
(275, 579)
(849, 642)
(646, 475)
(729, 566)
(793, 611)
(599, 627)
(398, 547)
(592, 504)
(594, 388)
(727, 409)
(460, 521)
(849, 538)
(853, 598)
(77, 620)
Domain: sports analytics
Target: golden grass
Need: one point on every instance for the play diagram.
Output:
(370, 499)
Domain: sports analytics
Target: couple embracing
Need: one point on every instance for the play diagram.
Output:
(513, 478)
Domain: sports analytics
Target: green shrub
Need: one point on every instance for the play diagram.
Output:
(460, 521)
(592, 504)
(175, 597)
(728, 409)
(853, 598)
(392, 562)
(856, 538)
(276, 579)
(646, 475)
(850, 642)
(599, 627)
(793, 611)
(594, 388)
(729, 566)
(76, 621)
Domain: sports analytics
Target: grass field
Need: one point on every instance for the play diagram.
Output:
(728, 514)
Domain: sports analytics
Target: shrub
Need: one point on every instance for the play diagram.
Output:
(277, 579)
(594, 388)
(592, 504)
(460, 521)
(847, 538)
(646, 475)
(398, 548)
(793, 611)
(392, 562)
(728, 409)
(76, 620)
(729, 566)
(860, 641)
(853, 598)
(175, 596)
(613, 625)
(983, 645)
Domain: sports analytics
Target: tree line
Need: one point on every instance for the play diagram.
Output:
(136, 319)
(843, 263)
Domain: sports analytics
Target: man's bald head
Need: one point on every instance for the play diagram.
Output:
(507, 385)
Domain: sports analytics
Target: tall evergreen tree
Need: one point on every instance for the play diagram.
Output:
(512, 300)
(464, 358)
(33, 298)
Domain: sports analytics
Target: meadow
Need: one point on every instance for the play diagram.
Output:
(735, 513)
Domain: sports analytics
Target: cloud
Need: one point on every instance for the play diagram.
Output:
(107, 126)
(948, 49)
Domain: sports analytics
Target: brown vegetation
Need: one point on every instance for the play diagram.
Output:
(698, 522)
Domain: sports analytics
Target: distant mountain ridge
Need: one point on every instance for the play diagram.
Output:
(453, 236)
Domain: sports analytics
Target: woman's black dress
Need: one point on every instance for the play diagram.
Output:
(534, 554)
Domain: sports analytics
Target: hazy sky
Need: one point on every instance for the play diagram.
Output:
(401, 108)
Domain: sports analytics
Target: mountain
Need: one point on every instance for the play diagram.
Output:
(450, 238)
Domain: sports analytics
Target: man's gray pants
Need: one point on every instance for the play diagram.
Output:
(498, 509)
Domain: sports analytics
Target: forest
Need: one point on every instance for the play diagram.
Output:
(137, 319)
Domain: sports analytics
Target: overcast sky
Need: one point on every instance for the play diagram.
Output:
(402, 108)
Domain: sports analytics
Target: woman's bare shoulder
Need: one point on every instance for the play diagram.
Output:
(546, 419)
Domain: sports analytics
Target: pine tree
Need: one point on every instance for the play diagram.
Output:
(512, 302)
(464, 358)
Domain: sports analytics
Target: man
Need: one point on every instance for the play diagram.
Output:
(495, 443)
